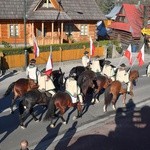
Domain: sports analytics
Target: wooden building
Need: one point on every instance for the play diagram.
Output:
(51, 21)
(127, 24)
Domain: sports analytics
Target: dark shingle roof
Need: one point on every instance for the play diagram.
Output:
(72, 10)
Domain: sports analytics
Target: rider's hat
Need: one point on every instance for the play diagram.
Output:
(32, 61)
(86, 52)
(122, 65)
(107, 62)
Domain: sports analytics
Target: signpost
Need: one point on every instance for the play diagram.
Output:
(145, 31)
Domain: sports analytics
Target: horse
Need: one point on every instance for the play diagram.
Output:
(77, 71)
(89, 80)
(19, 88)
(101, 83)
(61, 101)
(58, 79)
(112, 93)
(29, 100)
(86, 81)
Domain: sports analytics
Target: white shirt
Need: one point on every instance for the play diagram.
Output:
(85, 60)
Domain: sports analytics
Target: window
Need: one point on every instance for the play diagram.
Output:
(47, 4)
(14, 30)
(68, 29)
(84, 30)
(38, 32)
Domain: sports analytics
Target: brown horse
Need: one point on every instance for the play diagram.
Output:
(19, 88)
(112, 93)
(61, 101)
(101, 83)
(133, 76)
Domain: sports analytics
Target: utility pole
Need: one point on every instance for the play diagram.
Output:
(25, 36)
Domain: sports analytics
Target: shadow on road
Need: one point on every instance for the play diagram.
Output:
(132, 132)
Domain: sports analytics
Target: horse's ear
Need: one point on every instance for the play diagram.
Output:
(60, 69)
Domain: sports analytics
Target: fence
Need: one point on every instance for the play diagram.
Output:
(13, 61)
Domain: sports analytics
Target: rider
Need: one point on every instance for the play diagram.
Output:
(148, 70)
(108, 70)
(73, 89)
(123, 76)
(32, 71)
(85, 59)
(95, 66)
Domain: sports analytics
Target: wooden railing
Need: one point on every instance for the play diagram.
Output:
(13, 61)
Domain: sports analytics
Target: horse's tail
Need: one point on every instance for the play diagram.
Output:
(107, 96)
(51, 110)
(10, 88)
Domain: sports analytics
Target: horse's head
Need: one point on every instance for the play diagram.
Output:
(32, 84)
(134, 75)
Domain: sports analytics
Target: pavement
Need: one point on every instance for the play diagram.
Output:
(128, 129)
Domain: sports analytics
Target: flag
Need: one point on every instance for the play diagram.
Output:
(49, 65)
(92, 47)
(36, 49)
(128, 54)
(140, 56)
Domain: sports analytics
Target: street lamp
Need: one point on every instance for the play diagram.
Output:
(25, 37)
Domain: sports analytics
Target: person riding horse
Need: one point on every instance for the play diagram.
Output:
(95, 65)
(108, 70)
(85, 59)
(123, 76)
(73, 89)
(32, 71)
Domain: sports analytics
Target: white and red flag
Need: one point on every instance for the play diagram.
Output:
(140, 56)
(49, 65)
(92, 47)
(36, 49)
(128, 54)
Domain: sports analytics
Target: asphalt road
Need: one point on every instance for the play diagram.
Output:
(42, 137)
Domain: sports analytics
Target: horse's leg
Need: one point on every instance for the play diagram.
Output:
(79, 110)
(114, 100)
(124, 99)
(21, 111)
(62, 111)
(105, 108)
(32, 114)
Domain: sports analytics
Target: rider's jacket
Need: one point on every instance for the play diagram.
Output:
(85, 60)
(108, 70)
(122, 75)
(95, 66)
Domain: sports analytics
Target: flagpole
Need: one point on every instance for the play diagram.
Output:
(133, 64)
(120, 61)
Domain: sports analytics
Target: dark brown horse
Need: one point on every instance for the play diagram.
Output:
(112, 93)
(90, 80)
(61, 101)
(19, 88)
(29, 100)
(101, 83)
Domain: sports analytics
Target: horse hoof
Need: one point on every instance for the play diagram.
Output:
(74, 117)
(114, 108)
(23, 127)
(37, 120)
(64, 122)
(104, 109)
(93, 101)
(52, 126)
(97, 101)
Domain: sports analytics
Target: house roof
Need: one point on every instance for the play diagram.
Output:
(134, 21)
(113, 13)
(71, 10)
